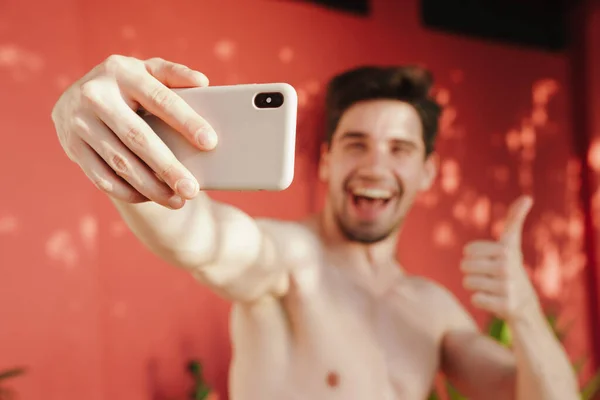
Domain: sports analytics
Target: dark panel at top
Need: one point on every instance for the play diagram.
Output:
(534, 23)
(359, 7)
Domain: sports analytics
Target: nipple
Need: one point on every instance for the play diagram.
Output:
(333, 379)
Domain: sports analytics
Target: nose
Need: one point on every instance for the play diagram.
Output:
(376, 162)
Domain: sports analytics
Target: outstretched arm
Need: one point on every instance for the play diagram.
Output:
(220, 245)
(156, 195)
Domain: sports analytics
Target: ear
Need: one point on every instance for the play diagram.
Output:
(430, 171)
(324, 163)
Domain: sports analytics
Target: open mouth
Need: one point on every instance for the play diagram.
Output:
(370, 196)
(368, 203)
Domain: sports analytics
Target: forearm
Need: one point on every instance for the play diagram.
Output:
(544, 371)
(182, 237)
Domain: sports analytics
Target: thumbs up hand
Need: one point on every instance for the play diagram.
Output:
(494, 270)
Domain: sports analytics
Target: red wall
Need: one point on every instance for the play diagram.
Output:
(594, 112)
(590, 105)
(93, 315)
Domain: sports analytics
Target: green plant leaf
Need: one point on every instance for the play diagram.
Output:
(579, 364)
(559, 333)
(202, 393)
(494, 328)
(498, 330)
(591, 388)
(453, 393)
(433, 396)
(551, 318)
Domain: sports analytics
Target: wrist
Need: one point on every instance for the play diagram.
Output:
(529, 315)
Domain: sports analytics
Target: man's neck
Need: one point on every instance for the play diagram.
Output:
(366, 257)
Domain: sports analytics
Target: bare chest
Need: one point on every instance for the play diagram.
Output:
(342, 341)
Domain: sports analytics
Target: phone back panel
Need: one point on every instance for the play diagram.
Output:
(256, 148)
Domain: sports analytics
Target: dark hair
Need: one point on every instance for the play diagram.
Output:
(410, 84)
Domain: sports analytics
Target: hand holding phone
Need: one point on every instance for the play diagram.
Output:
(256, 126)
(99, 129)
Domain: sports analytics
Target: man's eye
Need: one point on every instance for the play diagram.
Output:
(401, 149)
(356, 146)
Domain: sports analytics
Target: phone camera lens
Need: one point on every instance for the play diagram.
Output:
(268, 100)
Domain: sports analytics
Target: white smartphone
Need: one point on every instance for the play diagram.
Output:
(256, 127)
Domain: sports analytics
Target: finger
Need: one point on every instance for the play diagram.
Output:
(489, 302)
(103, 177)
(135, 133)
(167, 105)
(515, 220)
(485, 249)
(175, 75)
(486, 284)
(490, 267)
(123, 162)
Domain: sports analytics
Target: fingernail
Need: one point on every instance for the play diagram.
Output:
(201, 78)
(186, 188)
(207, 139)
(176, 202)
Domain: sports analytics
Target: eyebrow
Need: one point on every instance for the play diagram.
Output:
(404, 142)
(353, 135)
(359, 135)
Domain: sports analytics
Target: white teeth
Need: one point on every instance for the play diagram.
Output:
(372, 193)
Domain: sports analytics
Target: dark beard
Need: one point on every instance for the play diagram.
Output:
(364, 236)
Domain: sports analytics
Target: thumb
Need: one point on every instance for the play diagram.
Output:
(174, 75)
(515, 219)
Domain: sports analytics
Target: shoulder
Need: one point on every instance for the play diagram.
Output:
(293, 240)
(440, 302)
(272, 225)
(430, 291)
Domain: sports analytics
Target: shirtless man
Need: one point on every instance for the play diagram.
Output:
(322, 309)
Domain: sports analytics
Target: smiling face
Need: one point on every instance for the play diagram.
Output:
(375, 166)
